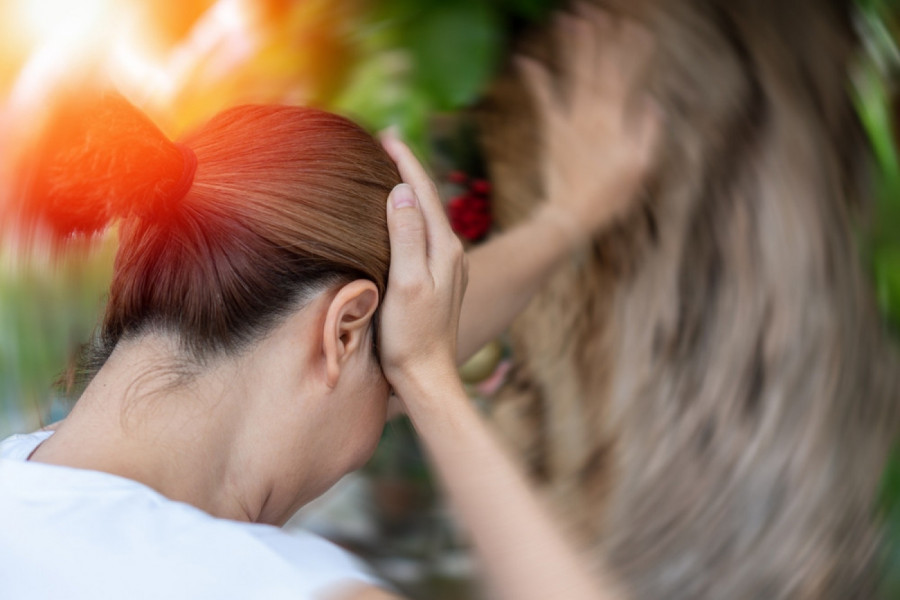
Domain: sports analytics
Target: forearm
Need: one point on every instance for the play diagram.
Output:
(523, 551)
(598, 142)
(504, 275)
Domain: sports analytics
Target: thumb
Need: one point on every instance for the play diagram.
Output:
(406, 227)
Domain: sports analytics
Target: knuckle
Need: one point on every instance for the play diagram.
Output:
(407, 225)
(456, 250)
(405, 284)
(405, 276)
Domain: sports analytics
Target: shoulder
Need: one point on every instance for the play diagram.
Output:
(20, 446)
(310, 564)
(319, 558)
(110, 535)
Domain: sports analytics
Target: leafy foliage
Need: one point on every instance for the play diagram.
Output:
(422, 57)
(48, 307)
(401, 62)
(876, 100)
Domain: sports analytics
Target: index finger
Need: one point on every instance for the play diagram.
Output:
(412, 172)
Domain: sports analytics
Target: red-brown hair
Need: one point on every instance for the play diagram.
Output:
(284, 200)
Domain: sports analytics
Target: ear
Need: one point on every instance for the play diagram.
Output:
(347, 323)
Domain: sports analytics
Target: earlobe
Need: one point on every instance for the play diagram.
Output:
(346, 325)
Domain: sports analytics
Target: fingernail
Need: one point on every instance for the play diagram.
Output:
(403, 196)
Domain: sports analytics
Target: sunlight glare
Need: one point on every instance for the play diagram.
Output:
(45, 19)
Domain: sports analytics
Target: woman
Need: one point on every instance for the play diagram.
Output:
(236, 373)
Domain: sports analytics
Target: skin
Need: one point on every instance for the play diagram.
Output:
(318, 400)
(291, 415)
(599, 137)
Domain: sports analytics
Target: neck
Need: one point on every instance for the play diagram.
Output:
(196, 441)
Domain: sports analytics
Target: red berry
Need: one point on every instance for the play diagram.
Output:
(481, 187)
(470, 216)
(458, 177)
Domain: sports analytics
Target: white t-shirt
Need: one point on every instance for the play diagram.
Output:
(78, 534)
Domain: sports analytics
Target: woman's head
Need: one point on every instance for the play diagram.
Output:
(284, 201)
(252, 259)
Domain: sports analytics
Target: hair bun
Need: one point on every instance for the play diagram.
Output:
(96, 161)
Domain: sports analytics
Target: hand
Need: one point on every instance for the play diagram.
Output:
(426, 283)
(599, 136)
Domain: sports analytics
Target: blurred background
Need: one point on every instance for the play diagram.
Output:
(419, 65)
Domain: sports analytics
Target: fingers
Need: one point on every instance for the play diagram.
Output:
(439, 234)
(411, 171)
(624, 50)
(598, 55)
(420, 313)
(579, 48)
(638, 46)
(406, 227)
(540, 86)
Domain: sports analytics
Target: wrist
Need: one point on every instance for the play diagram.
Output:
(429, 396)
(559, 227)
(423, 380)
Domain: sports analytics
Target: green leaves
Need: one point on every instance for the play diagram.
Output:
(381, 93)
(47, 310)
(887, 277)
(455, 48)
(421, 57)
(532, 10)
(874, 104)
